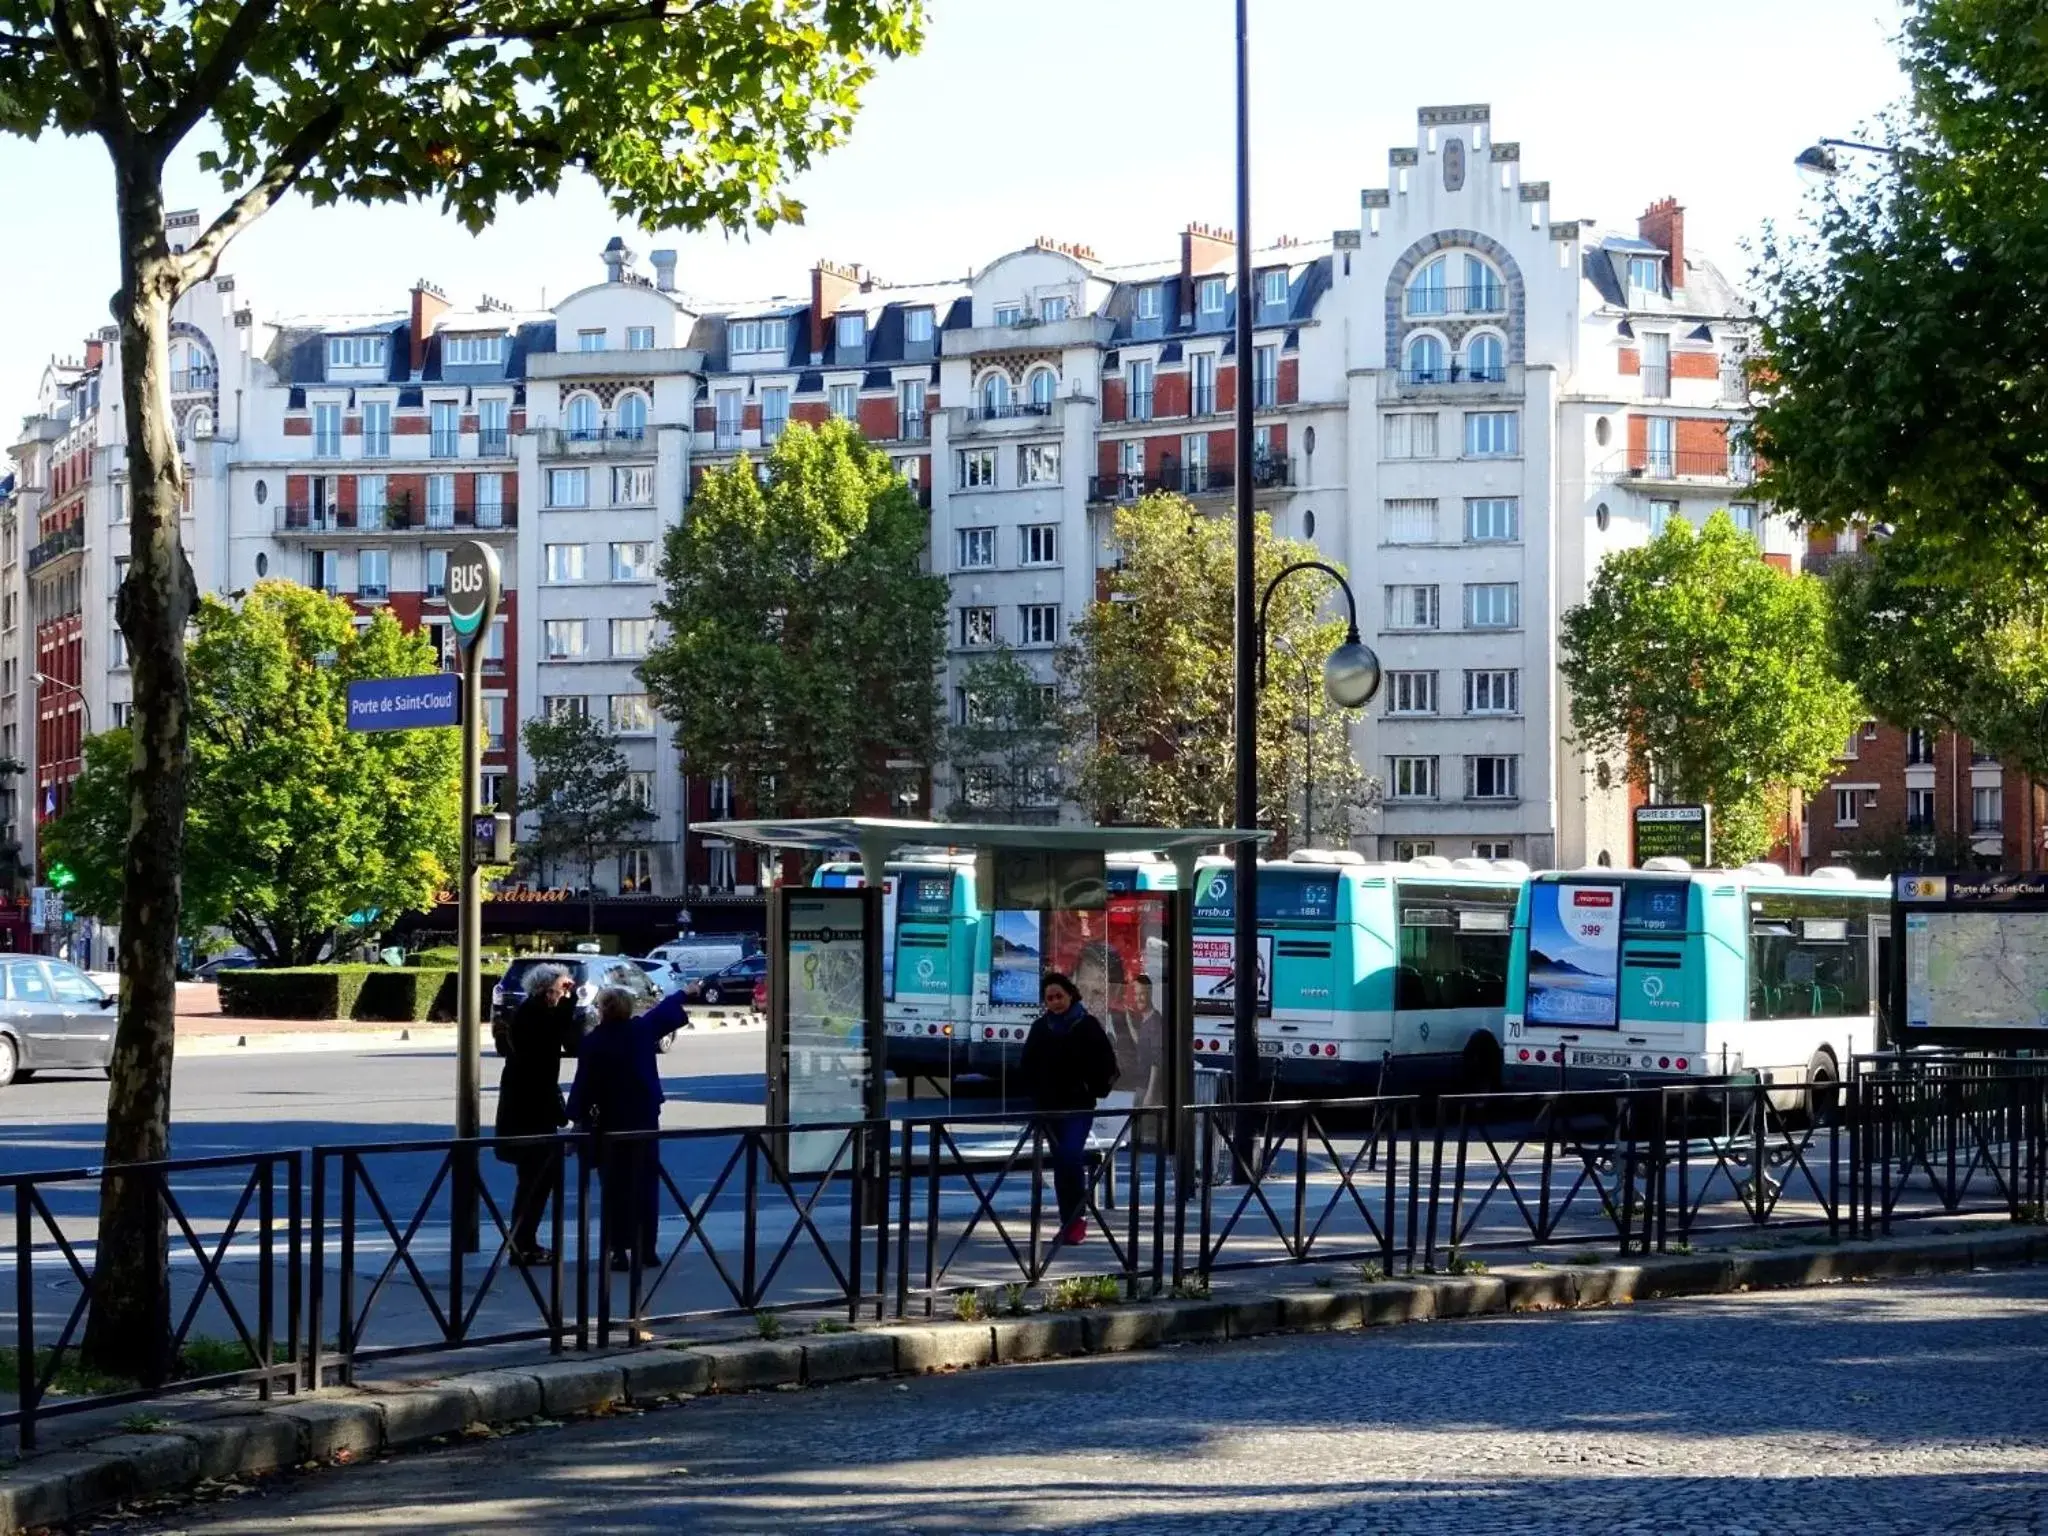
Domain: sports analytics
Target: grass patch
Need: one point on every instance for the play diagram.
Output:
(967, 1307)
(143, 1423)
(1191, 1288)
(1083, 1291)
(831, 1325)
(1371, 1273)
(1588, 1257)
(1459, 1264)
(768, 1324)
(1014, 1300)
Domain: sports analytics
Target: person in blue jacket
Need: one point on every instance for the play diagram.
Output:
(618, 1089)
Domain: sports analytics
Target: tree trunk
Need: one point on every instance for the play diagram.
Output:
(128, 1330)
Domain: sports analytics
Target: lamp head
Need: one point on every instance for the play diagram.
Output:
(1818, 164)
(1351, 674)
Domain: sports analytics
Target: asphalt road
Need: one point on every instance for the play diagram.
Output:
(1886, 1410)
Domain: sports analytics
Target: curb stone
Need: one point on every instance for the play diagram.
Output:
(250, 1439)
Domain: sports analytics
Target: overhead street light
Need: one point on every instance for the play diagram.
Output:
(1821, 162)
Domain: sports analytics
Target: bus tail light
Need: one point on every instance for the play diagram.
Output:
(1525, 1053)
(1542, 1056)
(947, 1030)
(1330, 1049)
(1681, 1063)
(1663, 1061)
(988, 1034)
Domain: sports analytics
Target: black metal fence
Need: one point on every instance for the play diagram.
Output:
(297, 1267)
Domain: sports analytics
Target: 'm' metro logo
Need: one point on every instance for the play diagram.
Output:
(1592, 898)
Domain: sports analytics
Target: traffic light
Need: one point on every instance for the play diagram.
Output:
(61, 877)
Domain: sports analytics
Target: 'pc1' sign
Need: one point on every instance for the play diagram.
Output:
(472, 591)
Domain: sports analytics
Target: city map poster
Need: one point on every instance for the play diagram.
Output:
(1574, 955)
(845, 880)
(1982, 969)
(828, 1067)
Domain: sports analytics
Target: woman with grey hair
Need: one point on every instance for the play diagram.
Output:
(618, 1089)
(530, 1099)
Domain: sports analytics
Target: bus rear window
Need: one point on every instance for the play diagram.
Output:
(1654, 906)
(925, 896)
(1454, 947)
(1284, 897)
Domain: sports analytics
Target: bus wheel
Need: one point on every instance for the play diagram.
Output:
(1482, 1064)
(1823, 1074)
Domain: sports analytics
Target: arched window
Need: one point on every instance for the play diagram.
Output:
(1044, 385)
(633, 415)
(1482, 288)
(191, 367)
(1485, 359)
(1426, 361)
(583, 417)
(995, 395)
(1428, 289)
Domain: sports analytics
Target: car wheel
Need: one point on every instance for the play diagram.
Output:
(711, 997)
(10, 1061)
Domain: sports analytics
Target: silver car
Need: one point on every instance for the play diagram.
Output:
(53, 1018)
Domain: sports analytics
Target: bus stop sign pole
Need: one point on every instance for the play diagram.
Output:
(472, 605)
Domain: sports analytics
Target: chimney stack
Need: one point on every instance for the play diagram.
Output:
(1663, 225)
(617, 259)
(664, 270)
(428, 305)
(95, 350)
(831, 286)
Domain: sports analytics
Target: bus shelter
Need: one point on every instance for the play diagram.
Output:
(1046, 897)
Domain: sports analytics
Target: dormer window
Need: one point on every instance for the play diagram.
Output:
(770, 335)
(355, 351)
(1009, 314)
(472, 351)
(1150, 303)
(1273, 288)
(853, 331)
(1211, 293)
(917, 326)
(1646, 275)
(1052, 309)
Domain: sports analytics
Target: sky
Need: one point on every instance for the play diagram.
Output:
(1104, 122)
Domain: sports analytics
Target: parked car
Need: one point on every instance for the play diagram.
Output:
(590, 973)
(695, 958)
(730, 985)
(233, 960)
(663, 973)
(53, 1017)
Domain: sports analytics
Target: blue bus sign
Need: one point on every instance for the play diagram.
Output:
(405, 703)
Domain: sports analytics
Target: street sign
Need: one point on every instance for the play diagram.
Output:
(405, 703)
(39, 909)
(1674, 832)
(472, 591)
(491, 835)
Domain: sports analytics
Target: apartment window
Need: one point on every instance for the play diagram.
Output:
(490, 501)
(373, 573)
(1411, 693)
(1493, 434)
(1496, 691)
(845, 400)
(445, 429)
(1139, 374)
(633, 486)
(631, 637)
(124, 715)
(1660, 445)
(1130, 465)
(632, 561)
(568, 487)
(1007, 315)
(977, 547)
(565, 639)
(1038, 464)
(492, 417)
(1151, 303)
(494, 722)
(327, 431)
(437, 573)
(565, 562)
(1204, 384)
(1656, 365)
(632, 416)
(1408, 849)
(1412, 607)
(355, 351)
(1041, 624)
(1052, 310)
(372, 496)
(852, 332)
(1493, 519)
(1039, 544)
(1409, 435)
(1493, 605)
(1493, 850)
(1493, 777)
(640, 789)
(1273, 287)
(376, 428)
(1661, 514)
(917, 326)
(566, 706)
(977, 627)
(910, 408)
(1265, 377)
(440, 501)
(1743, 515)
(324, 569)
(758, 336)
(590, 341)
(1919, 746)
(1845, 808)
(632, 714)
(730, 410)
(1646, 276)
(1410, 520)
(1850, 748)
(639, 338)
(1987, 808)
(1411, 778)
(975, 469)
(774, 412)
(1210, 292)
(1428, 363)
(1920, 810)
(1194, 450)
(117, 652)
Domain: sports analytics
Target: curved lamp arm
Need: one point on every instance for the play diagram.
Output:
(1266, 602)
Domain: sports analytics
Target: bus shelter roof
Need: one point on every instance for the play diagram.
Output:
(829, 834)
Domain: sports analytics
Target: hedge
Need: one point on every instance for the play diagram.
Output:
(376, 993)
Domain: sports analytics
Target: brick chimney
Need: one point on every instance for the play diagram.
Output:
(831, 286)
(95, 350)
(428, 305)
(1663, 225)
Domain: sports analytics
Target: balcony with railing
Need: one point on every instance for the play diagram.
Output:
(1269, 473)
(1486, 299)
(1721, 466)
(1023, 413)
(1656, 381)
(914, 428)
(65, 541)
(1447, 375)
(444, 445)
(596, 442)
(493, 443)
(398, 515)
(194, 381)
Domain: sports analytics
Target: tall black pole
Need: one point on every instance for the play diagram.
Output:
(1245, 996)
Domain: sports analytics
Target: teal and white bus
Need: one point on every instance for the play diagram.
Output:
(1670, 972)
(1362, 966)
(931, 928)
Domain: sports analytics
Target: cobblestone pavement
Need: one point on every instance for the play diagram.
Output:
(1886, 1410)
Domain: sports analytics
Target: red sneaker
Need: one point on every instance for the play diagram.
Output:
(1074, 1232)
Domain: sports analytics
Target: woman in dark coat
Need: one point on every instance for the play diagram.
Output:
(530, 1099)
(1068, 1065)
(618, 1089)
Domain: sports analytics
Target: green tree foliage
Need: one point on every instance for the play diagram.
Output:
(1147, 680)
(1003, 754)
(1906, 343)
(1926, 650)
(1711, 671)
(688, 113)
(295, 823)
(579, 798)
(804, 635)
